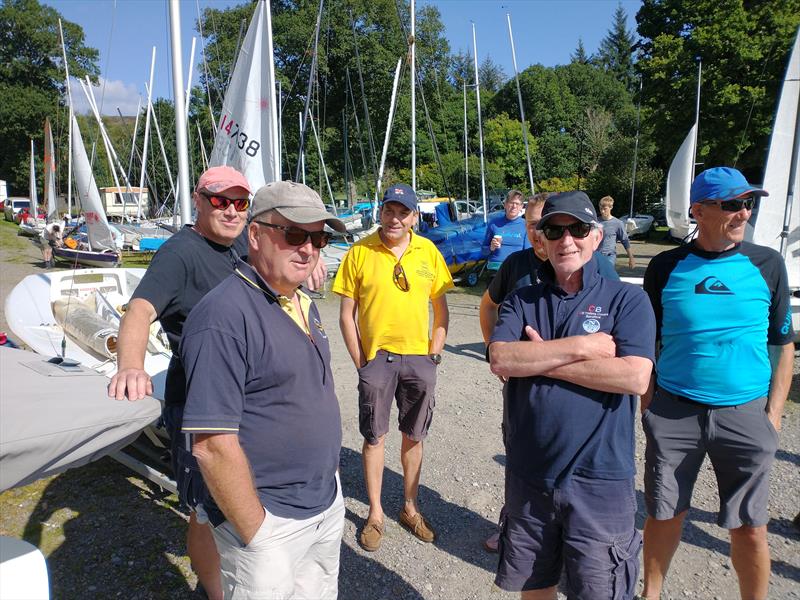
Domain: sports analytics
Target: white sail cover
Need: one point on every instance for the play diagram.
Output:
(96, 223)
(32, 186)
(247, 137)
(679, 182)
(783, 148)
(50, 174)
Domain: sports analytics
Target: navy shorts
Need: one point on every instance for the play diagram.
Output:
(408, 378)
(192, 490)
(586, 526)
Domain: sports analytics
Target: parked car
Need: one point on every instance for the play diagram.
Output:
(13, 205)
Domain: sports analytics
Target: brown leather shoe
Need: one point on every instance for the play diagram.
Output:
(371, 536)
(418, 526)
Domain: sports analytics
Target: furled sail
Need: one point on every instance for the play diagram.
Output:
(100, 238)
(51, 202)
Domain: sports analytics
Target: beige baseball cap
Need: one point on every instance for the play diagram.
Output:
(294, 201)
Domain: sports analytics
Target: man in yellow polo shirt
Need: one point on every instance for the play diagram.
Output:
(386, 281)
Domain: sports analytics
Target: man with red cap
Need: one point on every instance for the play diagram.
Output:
(185, 268)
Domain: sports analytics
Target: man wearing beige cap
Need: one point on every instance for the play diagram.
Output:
(262, 410)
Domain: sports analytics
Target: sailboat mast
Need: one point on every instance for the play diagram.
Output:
(480, 126)
(146, 140)
(521, 108)
(636, 147)
(697, 116)
(413, 45)
(309, 90)
(466, 149)
(69, 130)
(386, 138)
(181, 140)
(32, 187)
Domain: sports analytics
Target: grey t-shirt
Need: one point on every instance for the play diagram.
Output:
(613, 232)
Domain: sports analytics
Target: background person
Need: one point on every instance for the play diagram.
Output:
(613, 233)
(507, 234)
(386, 282)
(723, 375)
(570, 402)
(52, 237)
(262, 410)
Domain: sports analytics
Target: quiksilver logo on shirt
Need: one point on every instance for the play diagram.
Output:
(713, 286)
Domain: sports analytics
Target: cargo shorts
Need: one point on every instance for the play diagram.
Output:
(739, 440)
(408, 378)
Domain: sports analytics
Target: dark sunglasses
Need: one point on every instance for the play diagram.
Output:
(297, 237)
(222, 203)
(400, 279)
(736, 204)
(577, 230)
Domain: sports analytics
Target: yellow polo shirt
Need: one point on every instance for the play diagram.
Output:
(389, 318)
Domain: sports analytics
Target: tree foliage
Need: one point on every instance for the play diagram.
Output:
(744, 49)
(32, 79)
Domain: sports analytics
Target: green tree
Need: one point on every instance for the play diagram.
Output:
(32, 78)
(744, 48)
(615, 53)
(504, 147)
(580, 56)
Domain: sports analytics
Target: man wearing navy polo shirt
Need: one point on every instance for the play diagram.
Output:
(724, 370)
(575, 348)
(262, 410)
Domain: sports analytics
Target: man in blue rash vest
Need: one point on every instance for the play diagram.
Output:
(723, 374)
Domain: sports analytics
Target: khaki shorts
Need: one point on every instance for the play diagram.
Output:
(739, 440)
(408, 378)
(287, 558)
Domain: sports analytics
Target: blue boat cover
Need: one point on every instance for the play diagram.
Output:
(462, 242)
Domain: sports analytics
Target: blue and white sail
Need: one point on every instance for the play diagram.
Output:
(247, 135)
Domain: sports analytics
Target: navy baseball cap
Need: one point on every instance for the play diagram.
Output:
(402, 193)
(575, 204)
(721, 183)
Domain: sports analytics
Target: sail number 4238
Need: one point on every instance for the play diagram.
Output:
(231, 128)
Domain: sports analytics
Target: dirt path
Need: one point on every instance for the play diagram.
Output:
(108, 534)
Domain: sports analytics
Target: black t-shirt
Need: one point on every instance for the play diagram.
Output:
(184, 270)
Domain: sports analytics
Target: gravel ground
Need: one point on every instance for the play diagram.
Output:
(106, 533)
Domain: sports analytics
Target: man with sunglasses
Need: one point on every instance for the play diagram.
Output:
(386, 282)
(262, 411)
(723, 375)
(576, 349)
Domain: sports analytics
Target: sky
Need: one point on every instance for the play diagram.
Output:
(125, 31)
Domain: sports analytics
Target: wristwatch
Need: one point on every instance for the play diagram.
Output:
(436, 358)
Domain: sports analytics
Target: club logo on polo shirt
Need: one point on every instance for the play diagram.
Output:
(713, 287)
(592, 316)
(591, 325)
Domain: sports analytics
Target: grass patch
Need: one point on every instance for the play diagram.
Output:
(9, 238)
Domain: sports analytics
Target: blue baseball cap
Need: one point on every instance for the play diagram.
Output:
(402, 193)
(575, 204)
(721, 183)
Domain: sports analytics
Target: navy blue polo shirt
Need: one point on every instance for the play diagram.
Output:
(555, 428)
(251, 370)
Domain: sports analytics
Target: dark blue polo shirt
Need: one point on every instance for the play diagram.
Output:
(554, 428)
(251, 370)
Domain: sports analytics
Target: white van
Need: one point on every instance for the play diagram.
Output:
(13, 204)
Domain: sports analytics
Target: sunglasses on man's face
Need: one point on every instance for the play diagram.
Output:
(400, 279)
(297, 237)
(577, 230)
(222, 203)
(736, 204)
